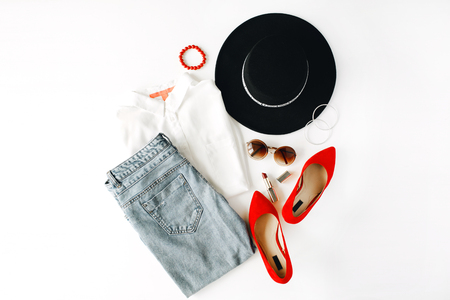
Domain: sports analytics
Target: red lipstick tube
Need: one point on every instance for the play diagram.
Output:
(272, 195)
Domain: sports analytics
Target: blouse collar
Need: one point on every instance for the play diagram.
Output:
(159, 106)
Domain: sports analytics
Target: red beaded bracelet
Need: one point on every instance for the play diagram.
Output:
(192, 67)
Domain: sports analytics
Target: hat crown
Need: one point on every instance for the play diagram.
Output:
(275, 71)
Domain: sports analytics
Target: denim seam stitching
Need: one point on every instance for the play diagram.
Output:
(199, 208)
(121, 178)
(143, 175)
(199, 212)
(123, 162)
(153, 184)
(161, 222)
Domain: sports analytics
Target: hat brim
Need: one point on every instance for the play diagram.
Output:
(318, 89)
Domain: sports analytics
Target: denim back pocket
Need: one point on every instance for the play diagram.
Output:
(176, 209)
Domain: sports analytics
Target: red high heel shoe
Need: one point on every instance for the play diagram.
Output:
(268, 235)
(315, 177)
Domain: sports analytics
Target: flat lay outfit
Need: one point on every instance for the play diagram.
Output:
(189, 227)
(187, 156)
(193, 116)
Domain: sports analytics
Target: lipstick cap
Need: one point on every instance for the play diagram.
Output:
(283, 177)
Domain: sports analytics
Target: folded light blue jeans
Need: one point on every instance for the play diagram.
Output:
(189, 227)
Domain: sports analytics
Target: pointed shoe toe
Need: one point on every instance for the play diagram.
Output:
(314, 179)
(268, 236)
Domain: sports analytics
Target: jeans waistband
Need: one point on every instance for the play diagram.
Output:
(139, 159)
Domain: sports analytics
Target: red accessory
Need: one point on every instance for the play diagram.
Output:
(268, 235)
(315, 177)
(163, 94)
(192, 67)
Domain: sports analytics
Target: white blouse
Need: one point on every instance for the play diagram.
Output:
(194, 118)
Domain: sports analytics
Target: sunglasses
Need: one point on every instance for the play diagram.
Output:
(284, 156)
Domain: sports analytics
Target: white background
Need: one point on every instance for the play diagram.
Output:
(381, 229)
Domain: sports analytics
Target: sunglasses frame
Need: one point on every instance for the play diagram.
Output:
(270, 150)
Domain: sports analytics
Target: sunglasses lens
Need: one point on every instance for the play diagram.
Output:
(257, 149)
(284, 156)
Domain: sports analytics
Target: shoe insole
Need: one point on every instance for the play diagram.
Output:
(311, 184)
(267, 236)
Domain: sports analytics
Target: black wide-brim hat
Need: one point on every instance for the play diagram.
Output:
(273, 71)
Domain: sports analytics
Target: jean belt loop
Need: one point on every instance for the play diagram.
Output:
(113, 179)
(165, 137)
